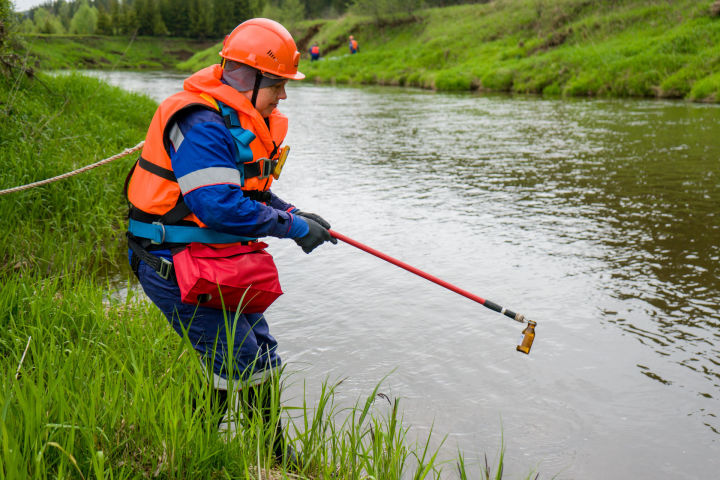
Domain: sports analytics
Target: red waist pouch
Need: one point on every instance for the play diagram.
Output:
(224, 278)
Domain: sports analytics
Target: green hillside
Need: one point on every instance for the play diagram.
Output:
(619, 48)
(56, 52)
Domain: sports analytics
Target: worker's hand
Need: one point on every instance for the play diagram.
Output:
(313, 216)
(315, 237)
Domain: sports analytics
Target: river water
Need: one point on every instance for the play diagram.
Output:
(596, 218)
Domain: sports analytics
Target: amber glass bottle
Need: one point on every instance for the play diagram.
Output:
(528, 338)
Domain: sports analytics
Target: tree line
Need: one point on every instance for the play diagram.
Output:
(195, 18)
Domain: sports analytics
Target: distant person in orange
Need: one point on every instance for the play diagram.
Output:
(314, 52)
(353, 44)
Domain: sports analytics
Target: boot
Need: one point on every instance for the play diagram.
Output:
(218, 406)
(260, 401)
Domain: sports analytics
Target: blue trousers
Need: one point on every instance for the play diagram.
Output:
(254, 350)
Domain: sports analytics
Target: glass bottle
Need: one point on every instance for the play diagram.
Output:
(528, 338)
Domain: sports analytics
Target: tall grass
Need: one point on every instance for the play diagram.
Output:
(99, 387)
(51, 125)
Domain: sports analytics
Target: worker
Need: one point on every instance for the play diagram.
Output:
(353, 44)
(200, 191)
(314, 52)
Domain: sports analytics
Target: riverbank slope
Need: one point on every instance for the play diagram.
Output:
(624, 48)
(65, 52)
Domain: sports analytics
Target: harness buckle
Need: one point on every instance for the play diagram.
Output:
(162, 236)
(165, 269)
(267, 167)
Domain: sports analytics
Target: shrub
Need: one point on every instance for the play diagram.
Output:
(453, 80)
(707, 89)
(500, 79)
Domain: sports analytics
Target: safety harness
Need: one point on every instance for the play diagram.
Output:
(262, 168)
(148, 232)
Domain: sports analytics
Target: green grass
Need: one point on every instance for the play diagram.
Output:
(623, 48)
(569, 47)
(56, 52)
(98, 387)
(52, 125)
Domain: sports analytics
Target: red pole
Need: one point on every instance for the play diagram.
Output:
(486, 303)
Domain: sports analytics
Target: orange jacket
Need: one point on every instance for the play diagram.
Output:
(152, 188)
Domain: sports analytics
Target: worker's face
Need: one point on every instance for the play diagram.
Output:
(268, 98)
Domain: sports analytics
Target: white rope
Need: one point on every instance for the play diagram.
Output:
(124, 153)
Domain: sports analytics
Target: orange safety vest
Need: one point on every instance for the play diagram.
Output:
(315, 49)
(152, 188)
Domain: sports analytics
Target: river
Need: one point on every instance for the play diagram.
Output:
(596, 218)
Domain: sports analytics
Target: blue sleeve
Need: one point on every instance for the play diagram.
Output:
(280, 204)
(208, 145)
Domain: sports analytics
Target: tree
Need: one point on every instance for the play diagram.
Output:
(225, 18)
(144, 16)
(85, 20)
(104, 24)
(150, 20)
(46, 22)
(293, 12)
(5, 19)
(115, 17)
(287, 12)
(176, 15)
(64, 12)
(129, 24)
(158, 25)
(202, 14)
(27, 26)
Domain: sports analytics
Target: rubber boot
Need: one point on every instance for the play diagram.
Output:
(260, 401)
(218, 406)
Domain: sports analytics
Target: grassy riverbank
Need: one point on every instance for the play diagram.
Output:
(99, 388)
(623, 48)
(569, 47)
(61, 52)
(95, 384)
(51, 125)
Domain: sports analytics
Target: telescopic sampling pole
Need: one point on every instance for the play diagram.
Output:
(529, 332)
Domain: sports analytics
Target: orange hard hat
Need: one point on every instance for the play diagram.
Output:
(263, 44)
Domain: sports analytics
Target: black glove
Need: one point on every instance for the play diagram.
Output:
(313, 216)
(315, 237)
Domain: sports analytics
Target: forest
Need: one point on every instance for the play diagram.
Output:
(195, 18)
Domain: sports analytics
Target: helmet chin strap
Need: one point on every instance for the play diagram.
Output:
(256, 88)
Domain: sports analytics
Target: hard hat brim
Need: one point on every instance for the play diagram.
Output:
(298, 76)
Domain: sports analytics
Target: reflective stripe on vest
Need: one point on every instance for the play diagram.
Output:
(209, 176)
